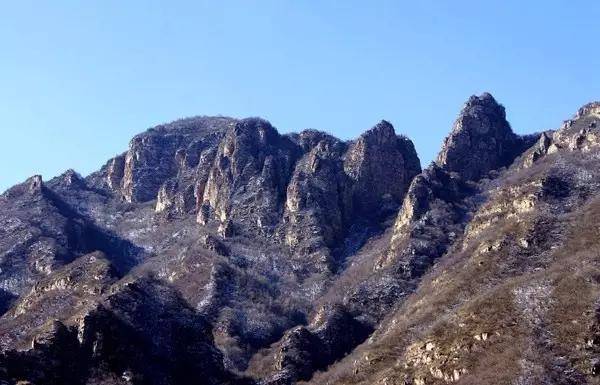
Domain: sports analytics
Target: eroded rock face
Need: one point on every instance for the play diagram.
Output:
(41, 232)
(481, 140)
(115, 340)
(160, 154)
(498, 284)
(433, 214)
(302, 350)
(579, 134)
(336, 185)
(435, 211)
(115, 170)
(437, 205)
(315, 208)
(173, 199)
(216, 246)
(250, 173)
(381, 165)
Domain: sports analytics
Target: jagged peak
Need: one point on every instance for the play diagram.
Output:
(68, 178)
(592, 108)
(35, 183)
(476, 107)
(309, 138)
(483, 99)
(32, 185)
(382, 126)
(587, 116)
(481, 139)
(256, 127)
(380, 133)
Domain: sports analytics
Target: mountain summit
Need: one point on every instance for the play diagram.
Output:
(218, 251)
(481, 140)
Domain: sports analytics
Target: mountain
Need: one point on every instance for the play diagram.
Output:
(219, 251)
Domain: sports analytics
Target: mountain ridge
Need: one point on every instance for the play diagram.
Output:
(280, 258)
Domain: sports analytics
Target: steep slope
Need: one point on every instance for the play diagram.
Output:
(514, 298)
(200, 245)
(436, 208)
(219, 251)
(481, 140)
(129, 332)
(40, 232)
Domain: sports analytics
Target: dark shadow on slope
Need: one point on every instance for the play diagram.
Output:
(144, 334)
(6, 300)
(84, 237)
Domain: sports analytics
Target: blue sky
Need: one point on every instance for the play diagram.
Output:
(79, 78)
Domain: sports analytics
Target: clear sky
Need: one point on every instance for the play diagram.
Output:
(79, 78)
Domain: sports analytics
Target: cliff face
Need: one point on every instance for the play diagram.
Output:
(508, 296)
(481, 140)
(217, 250)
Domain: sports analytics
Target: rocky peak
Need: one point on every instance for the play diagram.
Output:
(481, 140)
(587, 118)
(315, 207)
(472, 267)
(69, 178)
(580, 133)
(35, 184)
(32, 186)
(380, 134)
(159, 154)
(592, 108)
(308, 139)
(250, 172)
(381, 166)
(436, 199)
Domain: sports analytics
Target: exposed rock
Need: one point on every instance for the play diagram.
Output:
(32, 186)
(481, 140)
(250, 173)
(335, 185)
(302, 350)
(315, 208)
(70, 178)
(215, 247)
(380, 165)
(175, 200)
(298, 355)
(433, 213)
(115, 172)
(160, 154)
(226, 229)
(118, 338)
(204, 214)
(541, 148)
(589, 110)
(41, 232)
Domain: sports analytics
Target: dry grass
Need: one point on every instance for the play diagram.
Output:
(535, 295)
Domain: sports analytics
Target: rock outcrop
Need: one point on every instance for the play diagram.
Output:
(507, 254)
(481, 140)
(159, 154)
(115, 341)
(337, 185)
(248, 179)
(219, 251)
(433, 215)
(381, 165)
(315, 208)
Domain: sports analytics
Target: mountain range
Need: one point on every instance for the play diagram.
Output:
(219, 251)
